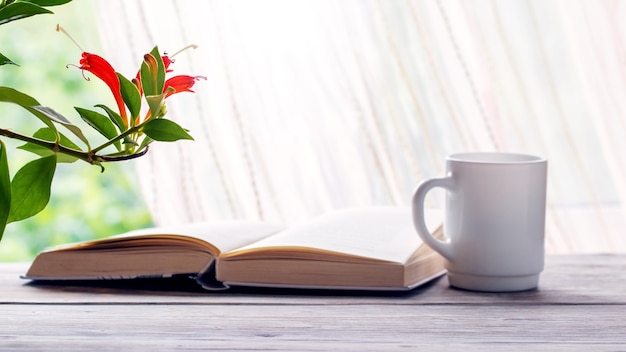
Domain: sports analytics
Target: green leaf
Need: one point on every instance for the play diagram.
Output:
(45, 114)
(11, 95)
(160, 74)
(5, 189)
(30, 188)
(153, 74)
(52, 115)
(164, 130)
(18, 10)
(114, 116)
(56, 117)
(100, 123)
(131, 96)
(47, 134)
(6, 61)
(49, 2)
(147, 84)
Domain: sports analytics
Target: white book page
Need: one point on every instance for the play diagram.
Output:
(225, 236)
(380, 233)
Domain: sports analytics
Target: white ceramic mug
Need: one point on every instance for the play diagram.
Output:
(494, 220)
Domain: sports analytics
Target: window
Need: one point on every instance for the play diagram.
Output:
(314, 105)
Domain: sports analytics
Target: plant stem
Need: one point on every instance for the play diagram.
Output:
(90, 157)
(109, 158)
(120, 137)
(53, 146)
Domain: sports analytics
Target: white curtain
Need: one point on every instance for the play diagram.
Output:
(315, 105)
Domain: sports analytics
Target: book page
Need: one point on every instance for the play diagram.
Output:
(383, 233)
(219, 237)
(152, 252)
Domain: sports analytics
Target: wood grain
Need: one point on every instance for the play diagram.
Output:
(285, 327)
(580, 304)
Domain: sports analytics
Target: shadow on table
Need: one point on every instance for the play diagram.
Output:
(185, 285)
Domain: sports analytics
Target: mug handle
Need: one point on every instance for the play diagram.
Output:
(442, 247)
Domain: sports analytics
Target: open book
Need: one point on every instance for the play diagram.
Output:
(370, 249)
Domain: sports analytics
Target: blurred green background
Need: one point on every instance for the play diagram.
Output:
(85, 203)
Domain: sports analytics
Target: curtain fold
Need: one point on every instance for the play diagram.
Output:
(311, 106)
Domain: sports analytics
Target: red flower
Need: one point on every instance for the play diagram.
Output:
(167, 62)
(103, 70)
(182, 83)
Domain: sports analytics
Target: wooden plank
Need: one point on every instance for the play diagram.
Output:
(311, 328)
(569, 279)
(580, 305)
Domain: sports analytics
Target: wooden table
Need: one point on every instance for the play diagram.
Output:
(581, 304)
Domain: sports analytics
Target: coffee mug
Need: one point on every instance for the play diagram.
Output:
(494, 220)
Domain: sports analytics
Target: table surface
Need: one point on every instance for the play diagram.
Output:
(580, 304)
